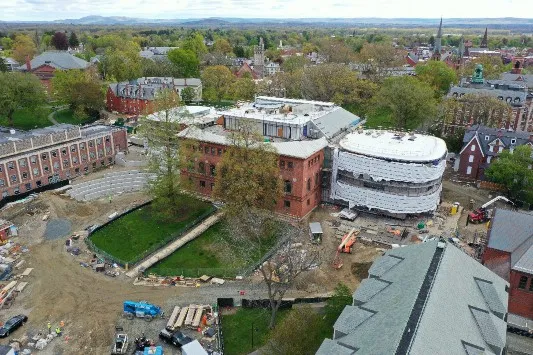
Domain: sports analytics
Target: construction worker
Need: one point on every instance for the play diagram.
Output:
(58, 331)
(49, 325)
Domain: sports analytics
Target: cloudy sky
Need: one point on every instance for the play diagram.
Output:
(60, 9)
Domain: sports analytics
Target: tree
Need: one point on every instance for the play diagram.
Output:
(294, 63)
(286, 338)
(3, 65)
(23, 47)
(513, 170)
(195, 43)
(238, 51)
(438, 75)
(222, 46)
(336, 51)
(188, 94)
(6, 43)
(186, 61)
(409, 101)
(242, 89)
(492, 67)
(81, 90)
(122, 63)
(60, 41)
(216, 81)
(162, 68)
(73, 40)
(168, 155)
(20, 90)
(375, 58)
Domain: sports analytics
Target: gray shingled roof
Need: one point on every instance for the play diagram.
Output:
(146, 88)
(488, 135)
(445, 324)
(510, 229)
(520, 78)
(58, 59)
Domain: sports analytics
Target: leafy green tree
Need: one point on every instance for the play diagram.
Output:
(82, 90)
(73, 40)
(410, 101)
(294, 63)
(375, 58)
(6, 43)
(159, 68)
(23, 47)
(438, 75)
(342, 297)
(513, 170)
(336, 51)
(123, 63)
(492, 67)
(216, 81)
(3, 65)
(20, 90)
(186, 61)
(239, 51)
(222, 46)
(188, 94)
(195, 43)
(242, 89)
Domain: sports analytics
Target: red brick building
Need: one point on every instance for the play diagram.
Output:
(300, 165)
(33, 159)
(509, 253)
(482, 145)
(136, 97)
(45, 65)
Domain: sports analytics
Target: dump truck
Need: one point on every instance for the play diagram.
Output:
(141, 309)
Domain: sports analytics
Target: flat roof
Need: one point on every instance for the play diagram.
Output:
(394, 145)
(295, 101)
(188, 114)
(258, 111)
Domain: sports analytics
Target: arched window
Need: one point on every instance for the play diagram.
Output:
(288, 186)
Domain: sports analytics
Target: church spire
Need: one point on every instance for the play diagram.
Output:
(484, 41)
(437, 47)
(439, 33)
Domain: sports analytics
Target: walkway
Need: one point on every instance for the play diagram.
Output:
(178, 243)
(51, 115)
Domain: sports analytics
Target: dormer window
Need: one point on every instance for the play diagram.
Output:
(487, 138)
(513, 141)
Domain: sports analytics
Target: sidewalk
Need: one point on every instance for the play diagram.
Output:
(178, 243)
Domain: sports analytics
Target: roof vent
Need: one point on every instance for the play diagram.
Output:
(12, 131)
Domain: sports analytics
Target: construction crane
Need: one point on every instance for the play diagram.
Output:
(347, 242)
(482, 214)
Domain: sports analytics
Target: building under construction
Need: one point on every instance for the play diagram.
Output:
(393, 173)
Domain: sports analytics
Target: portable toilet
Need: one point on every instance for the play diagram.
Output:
(193, 348)
(153, 350)
(315, 232)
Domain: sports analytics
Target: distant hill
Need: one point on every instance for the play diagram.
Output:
(495, 23)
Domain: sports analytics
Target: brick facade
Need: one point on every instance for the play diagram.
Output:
(130, 106)
(521, 294)
(472, 160)
(301, 178)
(31, 169)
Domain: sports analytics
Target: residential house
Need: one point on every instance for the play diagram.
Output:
(482, 145)
(271, 68)
(509, 253)
(11, 64)
(136, 97)
(430, 298)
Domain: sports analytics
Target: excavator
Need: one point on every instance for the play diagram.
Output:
(347, 242)
(483, 214)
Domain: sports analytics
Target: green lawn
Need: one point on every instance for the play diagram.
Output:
(381, 119)
(137, 234)
(205, 255)
(24, 119)
(67, 116)
(237, 329)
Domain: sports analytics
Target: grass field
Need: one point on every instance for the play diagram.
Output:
(137, 233)
(25, 119)
(237, 329)
(67, 116)
(204, 255)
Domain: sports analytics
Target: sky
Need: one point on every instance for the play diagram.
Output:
(35, 10)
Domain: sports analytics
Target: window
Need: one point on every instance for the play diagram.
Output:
(99, 141)
(38, 183)
(201, 168)
(523, 282)
(471, 159)
(102, 162)
(35, 172)
(473, 148)
(108, 139)
(65, 163)
(45, 168)
(16, 191)
(206, 150)
(219, 151)
(64, 151)
(212, 169)
(531, 285)
(86, 169)
(468, 170)
(82, 146)
(2, 182)
(73, 148)
(513, 141)
(13, 178)
(308, 202)
(54, 153)
(91, 143)
(77, 170)
(11, 165)
(24, 175)
(75, 160)
(83, 158)
(28, 186)
(108, 150)
(290, 165)
(33, 159)
(487, 138)
(94, 165)
(500, 149)
(288, 187)
(202, 183)
(317, 179)
(282, 164)
(44, 156)
(489, 158)
(22, 162)
(110, 160)
(100, 153)
(56, 165)
(1, 169)
(213, 151)
(309, 184)
(92, 155)
(287, 204)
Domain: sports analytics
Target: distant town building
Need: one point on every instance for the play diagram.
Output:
(45, 65)
(430, 298)
(392, 173)
(33, 159)
(135, 97)
(482, 145)
(11, 64)
(437, 48)
(156, 53)
(259, 58)
(271, 68)
(509, 253)
(299, 130)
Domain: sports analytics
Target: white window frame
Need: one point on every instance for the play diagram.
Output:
(471, 158)
(473, 148)
(468, 170)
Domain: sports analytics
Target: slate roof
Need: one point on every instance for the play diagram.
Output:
(146, 88)
(62, 60)
(513, 97)
(505, 136)
(520, 78)
(406, 306)
(512, 232)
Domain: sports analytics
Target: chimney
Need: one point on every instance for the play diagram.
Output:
(28, 63)
(516, 68)
(499, 133)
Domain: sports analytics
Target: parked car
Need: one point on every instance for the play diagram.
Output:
(177, 338)
(12, 324)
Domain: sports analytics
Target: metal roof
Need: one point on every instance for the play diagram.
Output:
(335, 122)
(315, 228)
(510, 229)
(525, 262)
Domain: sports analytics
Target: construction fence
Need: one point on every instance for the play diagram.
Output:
(154, 248)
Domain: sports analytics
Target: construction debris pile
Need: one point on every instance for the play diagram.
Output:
(154, 280)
